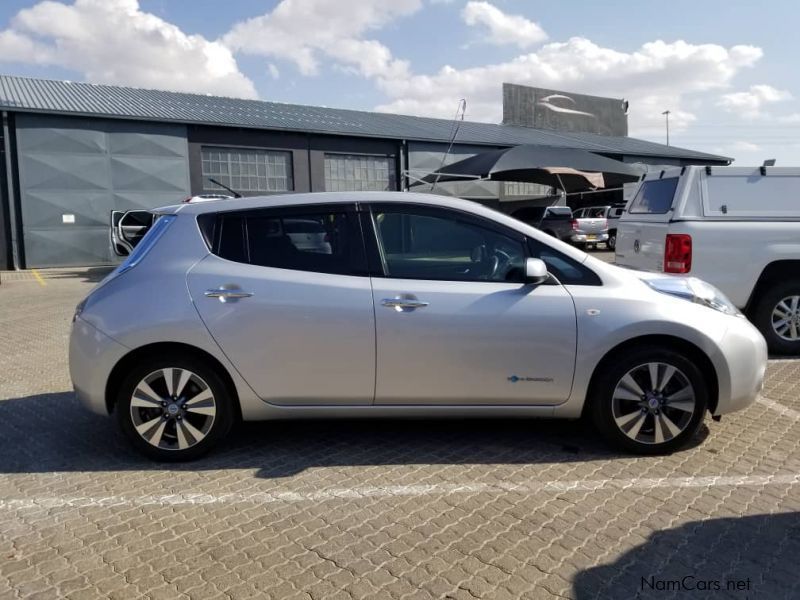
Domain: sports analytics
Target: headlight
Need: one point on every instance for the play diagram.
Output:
(694, 290)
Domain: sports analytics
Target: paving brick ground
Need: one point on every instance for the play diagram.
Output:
(381, 509)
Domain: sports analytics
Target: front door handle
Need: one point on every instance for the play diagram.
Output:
(403, 304)
(225, 293)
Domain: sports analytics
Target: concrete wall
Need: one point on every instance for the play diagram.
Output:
(73, 172)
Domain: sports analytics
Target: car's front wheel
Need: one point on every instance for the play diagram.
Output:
(649, 400)
(174, 408)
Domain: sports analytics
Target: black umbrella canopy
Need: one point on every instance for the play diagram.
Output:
(567, 169)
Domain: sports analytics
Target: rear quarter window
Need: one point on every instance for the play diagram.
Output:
(655, 196)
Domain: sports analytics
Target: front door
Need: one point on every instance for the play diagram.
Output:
(455, 322)
(295, 318)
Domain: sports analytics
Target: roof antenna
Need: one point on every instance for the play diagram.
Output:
(457, 120)
(222, 185)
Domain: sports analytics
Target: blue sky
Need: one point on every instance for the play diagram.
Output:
(724, 69)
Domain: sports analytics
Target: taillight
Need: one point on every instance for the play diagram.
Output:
(574, 224)
(678, 253)
(185, 200)
(605, 223)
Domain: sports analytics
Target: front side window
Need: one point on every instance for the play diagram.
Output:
(422, 244)
(565, 269)
(655, 196)
(247, 169)
(320, 242)
(357, 172)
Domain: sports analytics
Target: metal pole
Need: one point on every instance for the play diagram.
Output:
(666, 114)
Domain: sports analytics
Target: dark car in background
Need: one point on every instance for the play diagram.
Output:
(553, 220)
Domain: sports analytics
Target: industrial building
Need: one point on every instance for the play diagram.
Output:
(73, 152)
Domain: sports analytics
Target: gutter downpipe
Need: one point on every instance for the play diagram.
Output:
(12, 210)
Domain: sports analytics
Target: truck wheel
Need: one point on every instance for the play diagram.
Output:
(651, 400)
(612, 239)
(777, 316)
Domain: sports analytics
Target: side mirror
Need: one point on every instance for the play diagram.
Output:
(535, 271)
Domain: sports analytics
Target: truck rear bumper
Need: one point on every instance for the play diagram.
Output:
(590, 238)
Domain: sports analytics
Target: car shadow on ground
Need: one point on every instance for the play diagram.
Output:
(738, 557)
(53, 432)
(88, 275)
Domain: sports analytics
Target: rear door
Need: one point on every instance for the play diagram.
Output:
(295, 318)
(642, 230)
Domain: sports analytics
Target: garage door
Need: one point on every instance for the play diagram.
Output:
(73, 172)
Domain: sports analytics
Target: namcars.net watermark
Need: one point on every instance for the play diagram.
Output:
(692, 583)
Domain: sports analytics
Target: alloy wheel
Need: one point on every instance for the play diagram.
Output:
(653, 403)
(173, 409)
(786, 318)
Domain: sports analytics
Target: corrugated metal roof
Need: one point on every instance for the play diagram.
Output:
(45, 95)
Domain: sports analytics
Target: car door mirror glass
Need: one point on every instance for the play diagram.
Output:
(535, 271)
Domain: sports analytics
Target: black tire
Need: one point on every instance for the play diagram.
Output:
(612, 240)
(762, 317)
(602, 403)
(205, 379)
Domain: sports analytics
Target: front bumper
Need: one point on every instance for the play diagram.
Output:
(92, 356)
(590, 238)
(743, 353)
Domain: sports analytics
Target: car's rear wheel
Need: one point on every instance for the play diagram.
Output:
(777, 316)
(649, 401)
(174, 409)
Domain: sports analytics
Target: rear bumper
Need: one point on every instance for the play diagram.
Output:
(582, 238)
(92, 355)
(744, 357)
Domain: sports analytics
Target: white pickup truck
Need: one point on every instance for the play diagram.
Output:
(737, 228)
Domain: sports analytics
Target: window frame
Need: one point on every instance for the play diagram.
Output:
(375, 257)
(358, 265)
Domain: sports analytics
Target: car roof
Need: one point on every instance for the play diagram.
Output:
(301, 199)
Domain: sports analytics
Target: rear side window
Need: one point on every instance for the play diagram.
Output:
(320, 242)
(559, 212)
(655, 196)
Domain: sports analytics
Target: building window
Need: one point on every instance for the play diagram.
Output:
(247, 170)
(523, 188)
(354, 172)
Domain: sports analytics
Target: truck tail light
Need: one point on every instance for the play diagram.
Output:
(574, 224)
(678, 253)
(605, 223)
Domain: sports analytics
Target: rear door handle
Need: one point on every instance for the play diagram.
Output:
(402, 304)
(227, 293)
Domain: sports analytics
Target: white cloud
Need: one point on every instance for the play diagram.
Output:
(273, 71)
(115, 42)
(503, 28)
(305, 31)
(749, 104)
(656, 77)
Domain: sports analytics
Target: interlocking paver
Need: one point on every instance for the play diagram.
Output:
(83, 516)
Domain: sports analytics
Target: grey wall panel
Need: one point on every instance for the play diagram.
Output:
(75, 171)
(76, 246)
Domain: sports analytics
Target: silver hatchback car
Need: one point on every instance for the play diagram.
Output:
(408, 305)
